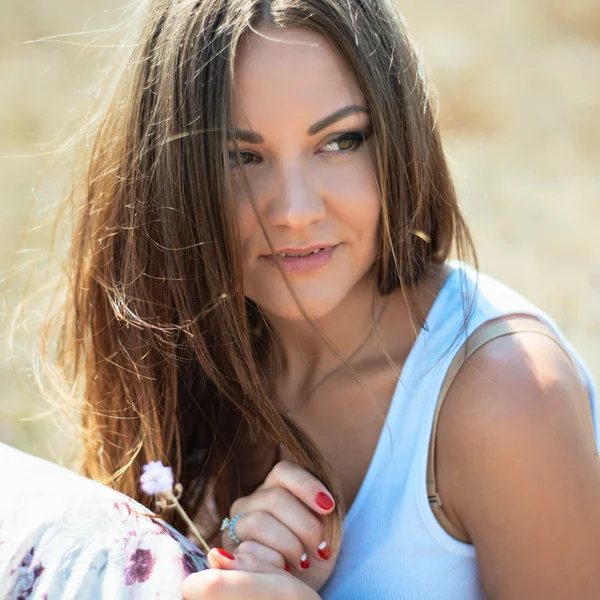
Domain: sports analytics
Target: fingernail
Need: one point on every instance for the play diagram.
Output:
(304, 562)
(287, 568)
(324, 501)
(324, 551)
(225, 554)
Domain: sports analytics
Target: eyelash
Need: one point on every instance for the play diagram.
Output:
(358, 137)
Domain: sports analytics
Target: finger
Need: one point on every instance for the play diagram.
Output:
(295, 515)
(263, 553)
(221, 559)
(264, 528)
(217, 584)
(302, 484)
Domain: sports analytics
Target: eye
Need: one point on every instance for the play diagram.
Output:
(347, 142)
(246, 158)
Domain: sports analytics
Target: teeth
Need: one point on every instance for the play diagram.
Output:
(285, 255)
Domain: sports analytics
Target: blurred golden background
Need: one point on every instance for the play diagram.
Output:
(519, 88)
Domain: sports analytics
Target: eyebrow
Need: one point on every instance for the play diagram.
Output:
(251, 137)
(336, 116)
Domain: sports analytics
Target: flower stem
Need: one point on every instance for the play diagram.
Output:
(188, 521)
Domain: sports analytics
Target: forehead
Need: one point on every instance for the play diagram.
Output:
(291, 75)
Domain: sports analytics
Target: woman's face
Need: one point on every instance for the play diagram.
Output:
(304, 134)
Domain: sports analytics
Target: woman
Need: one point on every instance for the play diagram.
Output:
(259, 275)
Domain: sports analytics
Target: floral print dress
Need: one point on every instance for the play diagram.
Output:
(65, 537)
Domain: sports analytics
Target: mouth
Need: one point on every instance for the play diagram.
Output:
(301, 252)
(299, 261)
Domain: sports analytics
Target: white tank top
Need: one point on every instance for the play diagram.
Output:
(393, 547)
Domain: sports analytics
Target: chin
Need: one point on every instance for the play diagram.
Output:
(319, 295)
(281, 304)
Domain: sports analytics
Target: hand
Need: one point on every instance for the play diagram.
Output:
(252, 579)
(282, 524)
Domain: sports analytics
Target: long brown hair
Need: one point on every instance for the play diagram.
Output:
(155, 332)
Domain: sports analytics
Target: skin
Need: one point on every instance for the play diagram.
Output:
(518, 470)
(517, 465)
(308, 188)
(245, 577)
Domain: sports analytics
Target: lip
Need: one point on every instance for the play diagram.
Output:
(305, 250)
(304, 264)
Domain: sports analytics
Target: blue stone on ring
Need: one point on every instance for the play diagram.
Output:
(229, 524)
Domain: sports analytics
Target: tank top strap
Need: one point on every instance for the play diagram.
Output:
(487, 332)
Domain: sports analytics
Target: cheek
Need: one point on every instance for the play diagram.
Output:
(354, 195)
(246, 220)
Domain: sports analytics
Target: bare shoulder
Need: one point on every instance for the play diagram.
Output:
(524, 382)
(518, 469)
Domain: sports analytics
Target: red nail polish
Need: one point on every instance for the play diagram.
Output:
(324, 551)
(287, 568)
(304, 562)
(324, 501)
(226, 554)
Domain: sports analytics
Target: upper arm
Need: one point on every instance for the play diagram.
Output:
(518, 469)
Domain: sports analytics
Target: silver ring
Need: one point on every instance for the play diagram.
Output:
(229, 524)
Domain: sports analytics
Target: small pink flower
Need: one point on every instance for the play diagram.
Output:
(156, 478)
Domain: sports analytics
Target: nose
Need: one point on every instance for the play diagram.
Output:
(295, 202)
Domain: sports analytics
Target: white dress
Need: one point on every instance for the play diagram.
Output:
(65, 537)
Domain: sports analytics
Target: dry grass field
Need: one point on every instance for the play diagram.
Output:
(519, 88)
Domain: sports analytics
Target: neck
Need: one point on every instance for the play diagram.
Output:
(301, 356)
(301, 359)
